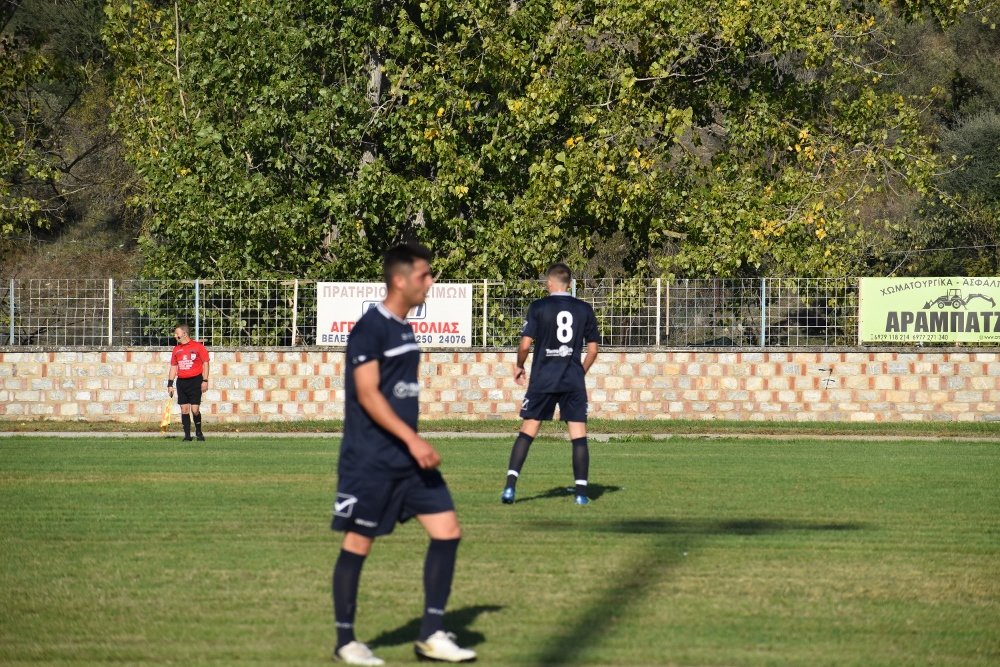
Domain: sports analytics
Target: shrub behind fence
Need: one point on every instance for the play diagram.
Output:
(631, 312)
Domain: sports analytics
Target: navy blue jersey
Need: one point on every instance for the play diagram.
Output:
(367, 448)
(560, 325)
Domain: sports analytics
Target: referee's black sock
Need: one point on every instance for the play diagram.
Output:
(346, 577)
(581, 464)
(197, 423)
(518, 454)
(439, 569)
(186, 422)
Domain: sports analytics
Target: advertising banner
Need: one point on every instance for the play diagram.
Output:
(929, 310)
(445, 319)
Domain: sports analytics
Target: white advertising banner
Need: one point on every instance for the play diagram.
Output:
(445, 320)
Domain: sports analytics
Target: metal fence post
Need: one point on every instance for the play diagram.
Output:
(667, 310)
(573, 287)
(295, 312)
(11, 340)
(197, 309)
(111, 304)
(658, 290)
(486, 290)
(763, 310)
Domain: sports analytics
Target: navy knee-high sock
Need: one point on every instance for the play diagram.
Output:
(581, 464)
(518, 454)
(346, 577)
(186, 423)
(439, 569)
(197, 423)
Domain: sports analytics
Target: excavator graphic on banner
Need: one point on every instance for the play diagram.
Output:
(954, 299)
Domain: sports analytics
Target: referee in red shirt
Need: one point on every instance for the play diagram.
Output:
(189, 366)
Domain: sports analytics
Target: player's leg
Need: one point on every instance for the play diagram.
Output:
(196, 418)
(518, 455)
(581, 460)
(184, 400)
(186, 420)
(346, 581)
(196, 409)
(357, 510)
(535, 408)
(439, 571)
(573, 409)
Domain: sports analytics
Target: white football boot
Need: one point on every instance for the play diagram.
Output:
(441, 647)
(356, 653)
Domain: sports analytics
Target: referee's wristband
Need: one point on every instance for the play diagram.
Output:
(170, 383)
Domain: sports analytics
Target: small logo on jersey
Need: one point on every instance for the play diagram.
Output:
(360, 359)
(406, 389)
(417, 312)
(408, 336)
(561, 351)
(344, 505)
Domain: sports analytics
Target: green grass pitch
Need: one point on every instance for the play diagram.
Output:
(146, 551)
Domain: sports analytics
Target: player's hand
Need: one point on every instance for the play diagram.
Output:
(170, 392)
(425, 454)
(520, 376)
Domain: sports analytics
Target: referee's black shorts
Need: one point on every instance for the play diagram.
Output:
(189, 390)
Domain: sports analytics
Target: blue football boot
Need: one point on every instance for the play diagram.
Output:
(507, 497)
(581, 500)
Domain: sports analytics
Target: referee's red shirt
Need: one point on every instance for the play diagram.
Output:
(189, 359)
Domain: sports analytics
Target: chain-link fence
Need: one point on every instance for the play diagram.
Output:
(282, 313)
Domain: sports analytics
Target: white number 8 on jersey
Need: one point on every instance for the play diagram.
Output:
(564, 326)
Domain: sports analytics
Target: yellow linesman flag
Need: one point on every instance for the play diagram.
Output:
(165, 420)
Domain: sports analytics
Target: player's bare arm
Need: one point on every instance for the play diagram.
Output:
(204, 374)
(523, 348)
(590, 357)
(171, 376)
(366, 380)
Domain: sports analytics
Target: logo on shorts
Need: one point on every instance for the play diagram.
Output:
(524, 403)
(344, 505)
(366, 524)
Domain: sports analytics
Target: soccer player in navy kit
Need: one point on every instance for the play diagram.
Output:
(387, 473)
(559, 325)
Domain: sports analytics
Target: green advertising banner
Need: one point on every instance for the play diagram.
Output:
(929, 310)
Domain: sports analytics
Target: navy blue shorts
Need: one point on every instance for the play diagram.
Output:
(572, 406)
(372, 507)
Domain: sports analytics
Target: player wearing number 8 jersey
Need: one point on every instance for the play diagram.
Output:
(559, 326)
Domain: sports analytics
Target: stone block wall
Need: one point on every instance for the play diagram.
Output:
(274, 385)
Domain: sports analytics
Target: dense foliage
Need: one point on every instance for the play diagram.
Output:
(723, 138)
(60, 165)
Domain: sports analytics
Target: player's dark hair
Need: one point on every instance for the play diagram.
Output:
(402, 255)
(560, 272)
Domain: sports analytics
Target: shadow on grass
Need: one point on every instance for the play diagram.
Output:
(652, 564)
(696, 527)
(594, 492)
(457, 621)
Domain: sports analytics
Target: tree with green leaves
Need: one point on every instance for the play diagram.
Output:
(59, 165)
(722, 139)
